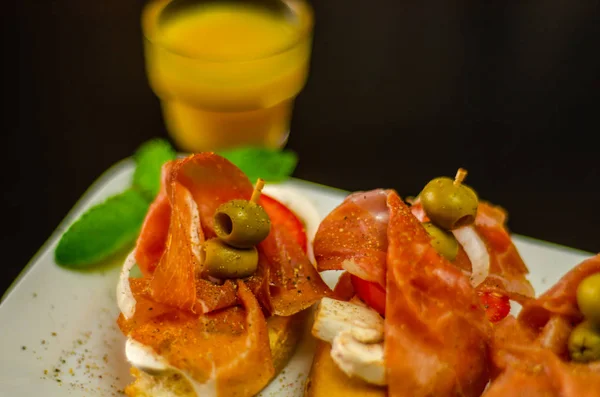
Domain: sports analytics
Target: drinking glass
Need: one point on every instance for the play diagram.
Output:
(227, 72)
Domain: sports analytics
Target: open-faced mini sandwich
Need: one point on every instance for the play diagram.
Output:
(552, 349)
(225, 281)
(423, 285)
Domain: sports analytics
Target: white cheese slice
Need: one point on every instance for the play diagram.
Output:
(358, 359)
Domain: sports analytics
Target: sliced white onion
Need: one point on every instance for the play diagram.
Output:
(355, 269)
(476, 251)
(144, 357)
(125, 299)
(304, 209)
(356, 359)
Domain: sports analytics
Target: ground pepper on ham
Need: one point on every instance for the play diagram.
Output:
(226, 344)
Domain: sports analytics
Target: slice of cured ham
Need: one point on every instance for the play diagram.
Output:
(174, 280)
(354, 236)
(222, 347)
(561, 298)
(436, 332)
(530, 355)
(153, 235)
(293, 282)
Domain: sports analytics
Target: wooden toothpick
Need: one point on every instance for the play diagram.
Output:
(260, 183)
(461, 174)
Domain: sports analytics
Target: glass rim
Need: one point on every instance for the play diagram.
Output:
(149, 24)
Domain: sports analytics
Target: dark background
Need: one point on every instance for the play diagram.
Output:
(400, 91)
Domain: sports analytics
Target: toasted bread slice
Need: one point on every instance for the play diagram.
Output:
(327, 380)
(284, 333)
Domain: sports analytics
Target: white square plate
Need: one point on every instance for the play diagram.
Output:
(58, 335)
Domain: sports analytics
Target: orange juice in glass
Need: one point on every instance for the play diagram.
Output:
(227, 72)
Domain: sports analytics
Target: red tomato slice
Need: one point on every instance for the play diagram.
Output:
(284, 218)
(371, 293)
(496, 306)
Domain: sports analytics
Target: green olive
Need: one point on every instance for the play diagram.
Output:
(588, 298)
(584, 343)
(449, 205)
(444, 242)
(224, 261)
(241, 223)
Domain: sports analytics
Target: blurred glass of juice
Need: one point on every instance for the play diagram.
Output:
(227, 72)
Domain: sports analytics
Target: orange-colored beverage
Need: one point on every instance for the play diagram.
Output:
(227, 72)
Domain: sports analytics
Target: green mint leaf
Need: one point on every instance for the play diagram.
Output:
(102, 230)
(272, 165)
(149, 159)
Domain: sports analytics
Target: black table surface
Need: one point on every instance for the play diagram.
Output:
(399, 92)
